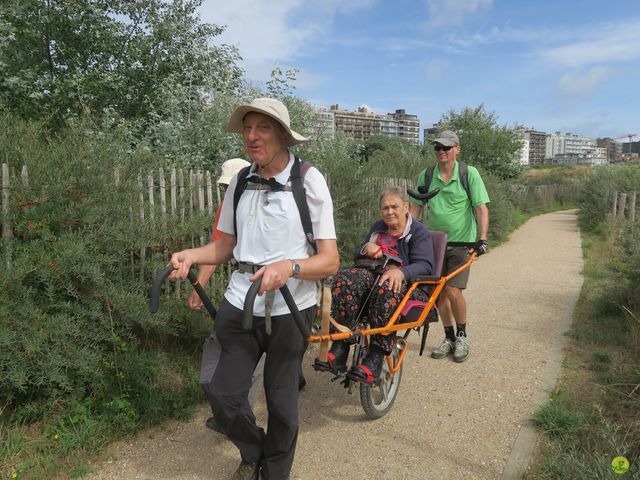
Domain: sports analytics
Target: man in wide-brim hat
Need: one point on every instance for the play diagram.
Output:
(269, 243)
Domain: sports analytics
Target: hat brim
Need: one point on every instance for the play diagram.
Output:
(236, 126)
(224, 180)
(447, 142)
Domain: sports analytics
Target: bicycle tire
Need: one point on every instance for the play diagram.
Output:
(372, 398)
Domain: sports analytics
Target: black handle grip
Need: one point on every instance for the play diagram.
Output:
(247, 314)
(424, 197)
(161, 276)
(154, 296)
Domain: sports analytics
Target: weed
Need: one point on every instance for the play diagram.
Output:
(558, 418)
(12, 443)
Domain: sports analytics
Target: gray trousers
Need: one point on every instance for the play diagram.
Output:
(241, 351)
(210, 359)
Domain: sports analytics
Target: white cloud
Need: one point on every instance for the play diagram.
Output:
(453, 12)
(578, 85)
(572, 47)
(269, 34)
(597, 44)
(508, 34)
(436, 70)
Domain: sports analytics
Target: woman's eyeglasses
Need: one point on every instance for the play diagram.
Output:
(439, 148)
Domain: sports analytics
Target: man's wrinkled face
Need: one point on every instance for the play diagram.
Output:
(263, 137)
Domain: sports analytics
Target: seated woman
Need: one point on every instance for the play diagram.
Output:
(398, 235)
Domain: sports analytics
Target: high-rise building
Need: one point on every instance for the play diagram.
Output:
(431, 133)
(326, 123)
(559, 143)
(537, 146)
(524, 152)
(358, 125)
(573, 149)
(363, 123)
(388, 126)
(613, 149)
(408, 125)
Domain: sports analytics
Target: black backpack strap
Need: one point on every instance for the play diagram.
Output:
(241, 186)
(298, 171)
(428, 175)
(463, 174)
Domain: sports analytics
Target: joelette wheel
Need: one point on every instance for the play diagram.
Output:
(378, 399)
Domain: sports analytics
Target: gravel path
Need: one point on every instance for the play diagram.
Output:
(449, 421)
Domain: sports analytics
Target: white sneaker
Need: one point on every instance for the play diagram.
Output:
(461, 349)
(445, 348)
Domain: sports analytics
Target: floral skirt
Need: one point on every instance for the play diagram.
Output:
(348, 292)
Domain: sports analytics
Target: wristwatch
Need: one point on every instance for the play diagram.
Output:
(296, 268)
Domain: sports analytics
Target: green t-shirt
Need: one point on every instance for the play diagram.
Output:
(450, 210)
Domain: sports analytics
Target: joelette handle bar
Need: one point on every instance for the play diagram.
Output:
(422, 194)
(154, 298)
(247, 314)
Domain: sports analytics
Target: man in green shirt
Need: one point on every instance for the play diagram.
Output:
(464, 216)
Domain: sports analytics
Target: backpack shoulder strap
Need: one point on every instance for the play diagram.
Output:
(298, 170)
(463, 174)
(241, 186)
(428, 175)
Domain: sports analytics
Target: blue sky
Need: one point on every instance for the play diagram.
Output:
(570, 66)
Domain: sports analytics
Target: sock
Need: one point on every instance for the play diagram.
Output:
(462, 329)
(450, 334)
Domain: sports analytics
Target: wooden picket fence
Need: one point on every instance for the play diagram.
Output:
(623, 205)
(167, 196)
(161, 197)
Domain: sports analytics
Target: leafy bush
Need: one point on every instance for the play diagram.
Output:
(75, 320)
(501, 209)
(596, 189)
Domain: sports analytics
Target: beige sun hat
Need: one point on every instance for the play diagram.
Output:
(270, 107)
(230, 168)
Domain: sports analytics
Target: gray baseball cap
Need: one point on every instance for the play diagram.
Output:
(447, 138)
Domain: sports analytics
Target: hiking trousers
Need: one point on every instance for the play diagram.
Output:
(241, 351)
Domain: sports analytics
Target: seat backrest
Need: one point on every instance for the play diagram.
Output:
(439, 240)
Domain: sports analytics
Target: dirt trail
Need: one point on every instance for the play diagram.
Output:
(449, 421)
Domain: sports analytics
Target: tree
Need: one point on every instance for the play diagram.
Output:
(60, 57)
(484, 143)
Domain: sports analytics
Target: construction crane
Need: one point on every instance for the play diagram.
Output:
(626, 152)
(630, 136)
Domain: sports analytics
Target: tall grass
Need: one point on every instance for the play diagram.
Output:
(595, 415)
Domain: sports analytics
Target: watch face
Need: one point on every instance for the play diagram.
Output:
(296, 268)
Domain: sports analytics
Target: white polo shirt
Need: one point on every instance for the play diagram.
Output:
(270, 230)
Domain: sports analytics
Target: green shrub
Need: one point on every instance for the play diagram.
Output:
(596, 189)
(502, 214)
(74, 315)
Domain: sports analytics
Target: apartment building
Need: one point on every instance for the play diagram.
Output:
(537, 146)
(573, 149)
(363, 123)
(613, 149)
(358, 125)
(524, 153)
(326, 123)
(408, 125)
(559, 143)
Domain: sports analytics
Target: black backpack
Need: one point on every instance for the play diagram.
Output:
(298, 171)
(463, 173)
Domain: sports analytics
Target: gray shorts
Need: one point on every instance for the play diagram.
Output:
(454, 258)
